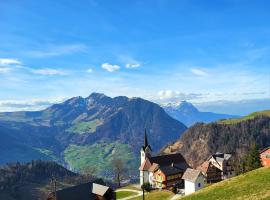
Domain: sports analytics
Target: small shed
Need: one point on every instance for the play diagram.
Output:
(194, 180)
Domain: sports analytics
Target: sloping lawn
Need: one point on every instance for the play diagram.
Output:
(156, 195)
(254, 185)
(123, 194)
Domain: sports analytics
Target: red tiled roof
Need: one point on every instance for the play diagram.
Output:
(153, 167)
(204, 167)
(265, 149)
(145, 165)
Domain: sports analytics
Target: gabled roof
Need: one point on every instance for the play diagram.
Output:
(167, 160)
(265, 149)
(220, 157)
(191, 174)
(204, 167)
(145, 165)
(170, 170)
(99, 189)
(80, 192)
(154, 167)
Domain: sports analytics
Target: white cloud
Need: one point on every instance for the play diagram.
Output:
(57, 50)
(28, 105)
(198, 72)
(176, 96)
(109, 67)
(4, 69)
(48, 71)
(130, 61)
(135, 65)
(89, 70)
(9, 61)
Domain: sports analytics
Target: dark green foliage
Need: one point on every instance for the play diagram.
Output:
(174, 189)
(14, 174)
(252, 159)
(146, 187)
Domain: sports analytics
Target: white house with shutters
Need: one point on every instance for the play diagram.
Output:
(194, 180)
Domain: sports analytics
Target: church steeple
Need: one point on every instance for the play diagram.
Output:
(146, 149)
(145, 139)
(146, 145)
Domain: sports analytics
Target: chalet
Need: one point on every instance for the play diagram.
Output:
(161, 171)
(194, 180)
(265, 157)
(211, 173)
(95, 190)
(223, 161)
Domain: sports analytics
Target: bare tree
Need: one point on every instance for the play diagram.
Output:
(89, 172)
(119, 170)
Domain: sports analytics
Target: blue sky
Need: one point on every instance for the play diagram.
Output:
(161, 50)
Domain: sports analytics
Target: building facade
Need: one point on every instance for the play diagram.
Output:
(194, 180)
(162, 171)
(223, 161)
(265, 157)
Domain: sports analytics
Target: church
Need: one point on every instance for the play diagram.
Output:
(164, 171)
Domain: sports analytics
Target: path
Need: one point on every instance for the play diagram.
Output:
(139, 193)
(176, 197)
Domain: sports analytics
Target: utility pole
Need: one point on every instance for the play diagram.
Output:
(143, 184)
(54, 187)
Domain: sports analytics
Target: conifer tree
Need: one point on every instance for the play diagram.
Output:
(252, 160)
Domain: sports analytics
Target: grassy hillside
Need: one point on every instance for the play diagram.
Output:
(85, 127)
(154, 195)
(253, 185)
(99, 155)
(250, 116)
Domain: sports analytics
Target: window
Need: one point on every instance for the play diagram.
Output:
(199, 184)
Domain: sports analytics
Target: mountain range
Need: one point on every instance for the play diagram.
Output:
(87, 132)
(234, 136)
(188, 114)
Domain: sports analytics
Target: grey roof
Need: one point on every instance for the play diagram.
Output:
(170, 170)
(78, 192)
(167, 160)
(191, 174)
(220, 157)
(99, 189)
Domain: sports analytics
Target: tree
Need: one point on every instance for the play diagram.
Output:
(119, 170)
(252, 160)
(89, 172)
(174, 189)
(146, 187)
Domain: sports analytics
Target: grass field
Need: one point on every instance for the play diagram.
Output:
(123, 194)
(254, 185)
(85, 127)
(251, 116)
(156, 195)
(99, 156)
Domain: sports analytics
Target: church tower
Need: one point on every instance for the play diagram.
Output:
(146, 149)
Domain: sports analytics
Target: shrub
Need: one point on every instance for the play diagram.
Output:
(146, 187)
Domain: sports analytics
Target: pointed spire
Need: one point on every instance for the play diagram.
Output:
(145, 139)
(146, 145)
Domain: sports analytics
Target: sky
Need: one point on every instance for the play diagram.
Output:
(211, 52)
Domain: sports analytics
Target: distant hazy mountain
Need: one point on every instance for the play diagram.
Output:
(188, 114)
(88, 131)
